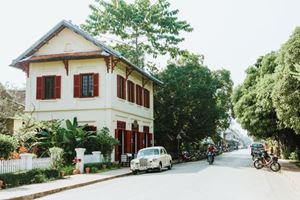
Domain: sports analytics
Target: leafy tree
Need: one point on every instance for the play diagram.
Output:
(8, 144)
(286, 93)
(9, 107)
(187, 103)
(144, 28)
(223, 93)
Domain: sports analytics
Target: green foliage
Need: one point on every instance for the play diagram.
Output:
(145, 28)
(286, 93)
(97, 167)
(107, 142)
(67, 169)
(56, 157)
(253, 105)
(267, 103)
(26, 135)
(190, 103)
(8, 144)
(28, 177)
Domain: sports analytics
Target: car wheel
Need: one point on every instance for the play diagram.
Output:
(160, 167)
(170, 166)
(135, 172)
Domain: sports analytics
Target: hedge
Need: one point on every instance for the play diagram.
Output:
(28, 177)
(95, 167)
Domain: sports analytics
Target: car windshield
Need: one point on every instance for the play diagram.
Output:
(148, 152)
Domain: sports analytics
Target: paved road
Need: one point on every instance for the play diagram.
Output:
(232, 177)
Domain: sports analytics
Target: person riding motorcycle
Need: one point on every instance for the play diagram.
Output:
(211, 149)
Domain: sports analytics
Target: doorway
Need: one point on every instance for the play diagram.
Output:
(121, 146)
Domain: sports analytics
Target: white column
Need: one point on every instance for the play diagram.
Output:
(80, 155)
(97, 156)
(27, 157)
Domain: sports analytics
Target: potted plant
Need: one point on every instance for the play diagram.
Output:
(61, 174)
(87, 170)
(76, 161)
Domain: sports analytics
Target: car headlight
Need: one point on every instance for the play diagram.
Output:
(154, 159)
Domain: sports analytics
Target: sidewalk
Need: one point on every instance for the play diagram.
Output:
(291, 171)
(43, 189)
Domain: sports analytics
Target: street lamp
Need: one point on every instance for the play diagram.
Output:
(178, 137)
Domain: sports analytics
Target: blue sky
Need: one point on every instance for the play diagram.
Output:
(231, 34)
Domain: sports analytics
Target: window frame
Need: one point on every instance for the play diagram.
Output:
(44, 87)
(81, 84)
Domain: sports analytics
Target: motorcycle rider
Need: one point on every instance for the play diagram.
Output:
(211, 149)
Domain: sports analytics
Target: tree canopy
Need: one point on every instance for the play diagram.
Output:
(267, 103)
(193, 102)
(144, 29)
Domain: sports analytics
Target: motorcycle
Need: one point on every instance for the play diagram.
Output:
(210, 158)
(264, 161)
(185, 157)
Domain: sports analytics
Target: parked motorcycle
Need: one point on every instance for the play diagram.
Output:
(210, 158)
(185, 157)
(264, 161)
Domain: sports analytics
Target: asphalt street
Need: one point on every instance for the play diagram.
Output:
(231, 177)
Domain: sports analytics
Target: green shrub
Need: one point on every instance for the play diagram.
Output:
(56, 157)
(7, 145)
(39, 178)
(295, 155)
(68, 170)
(95, 167)
(28, 177)
(103, 142)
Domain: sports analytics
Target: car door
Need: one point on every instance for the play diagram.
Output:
(168, 157)
(162, 157)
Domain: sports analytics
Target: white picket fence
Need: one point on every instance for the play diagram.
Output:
(93, 158)
(27, 162)
(41, 163)
(8, 166)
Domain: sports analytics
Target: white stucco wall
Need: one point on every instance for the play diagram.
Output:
(66, 42)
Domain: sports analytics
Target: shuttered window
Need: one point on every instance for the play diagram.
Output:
(139, 95)
(48, 87)
(146, 98)
(86, 85)
(130, 91)
(121, 87)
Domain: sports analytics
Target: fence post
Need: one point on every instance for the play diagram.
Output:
(97, 156)
(80, 155)
(27, 157)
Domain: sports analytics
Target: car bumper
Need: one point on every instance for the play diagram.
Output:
(150, 166)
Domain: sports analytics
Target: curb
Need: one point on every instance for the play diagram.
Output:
(45, 193)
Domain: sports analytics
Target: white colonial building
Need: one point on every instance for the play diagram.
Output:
(71, 74)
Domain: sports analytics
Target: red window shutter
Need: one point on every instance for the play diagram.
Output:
(116, 147)
(142, 96)
(123, 88)
(77, 85)
(128, 141)
(129, 91)
(132, 93)
(118, 86)
(146, 98)
(39, 87)
(142, 140)
(57, 87)
(96, 85)
(150, 140)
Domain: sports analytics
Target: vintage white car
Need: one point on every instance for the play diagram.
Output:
(151, 158)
